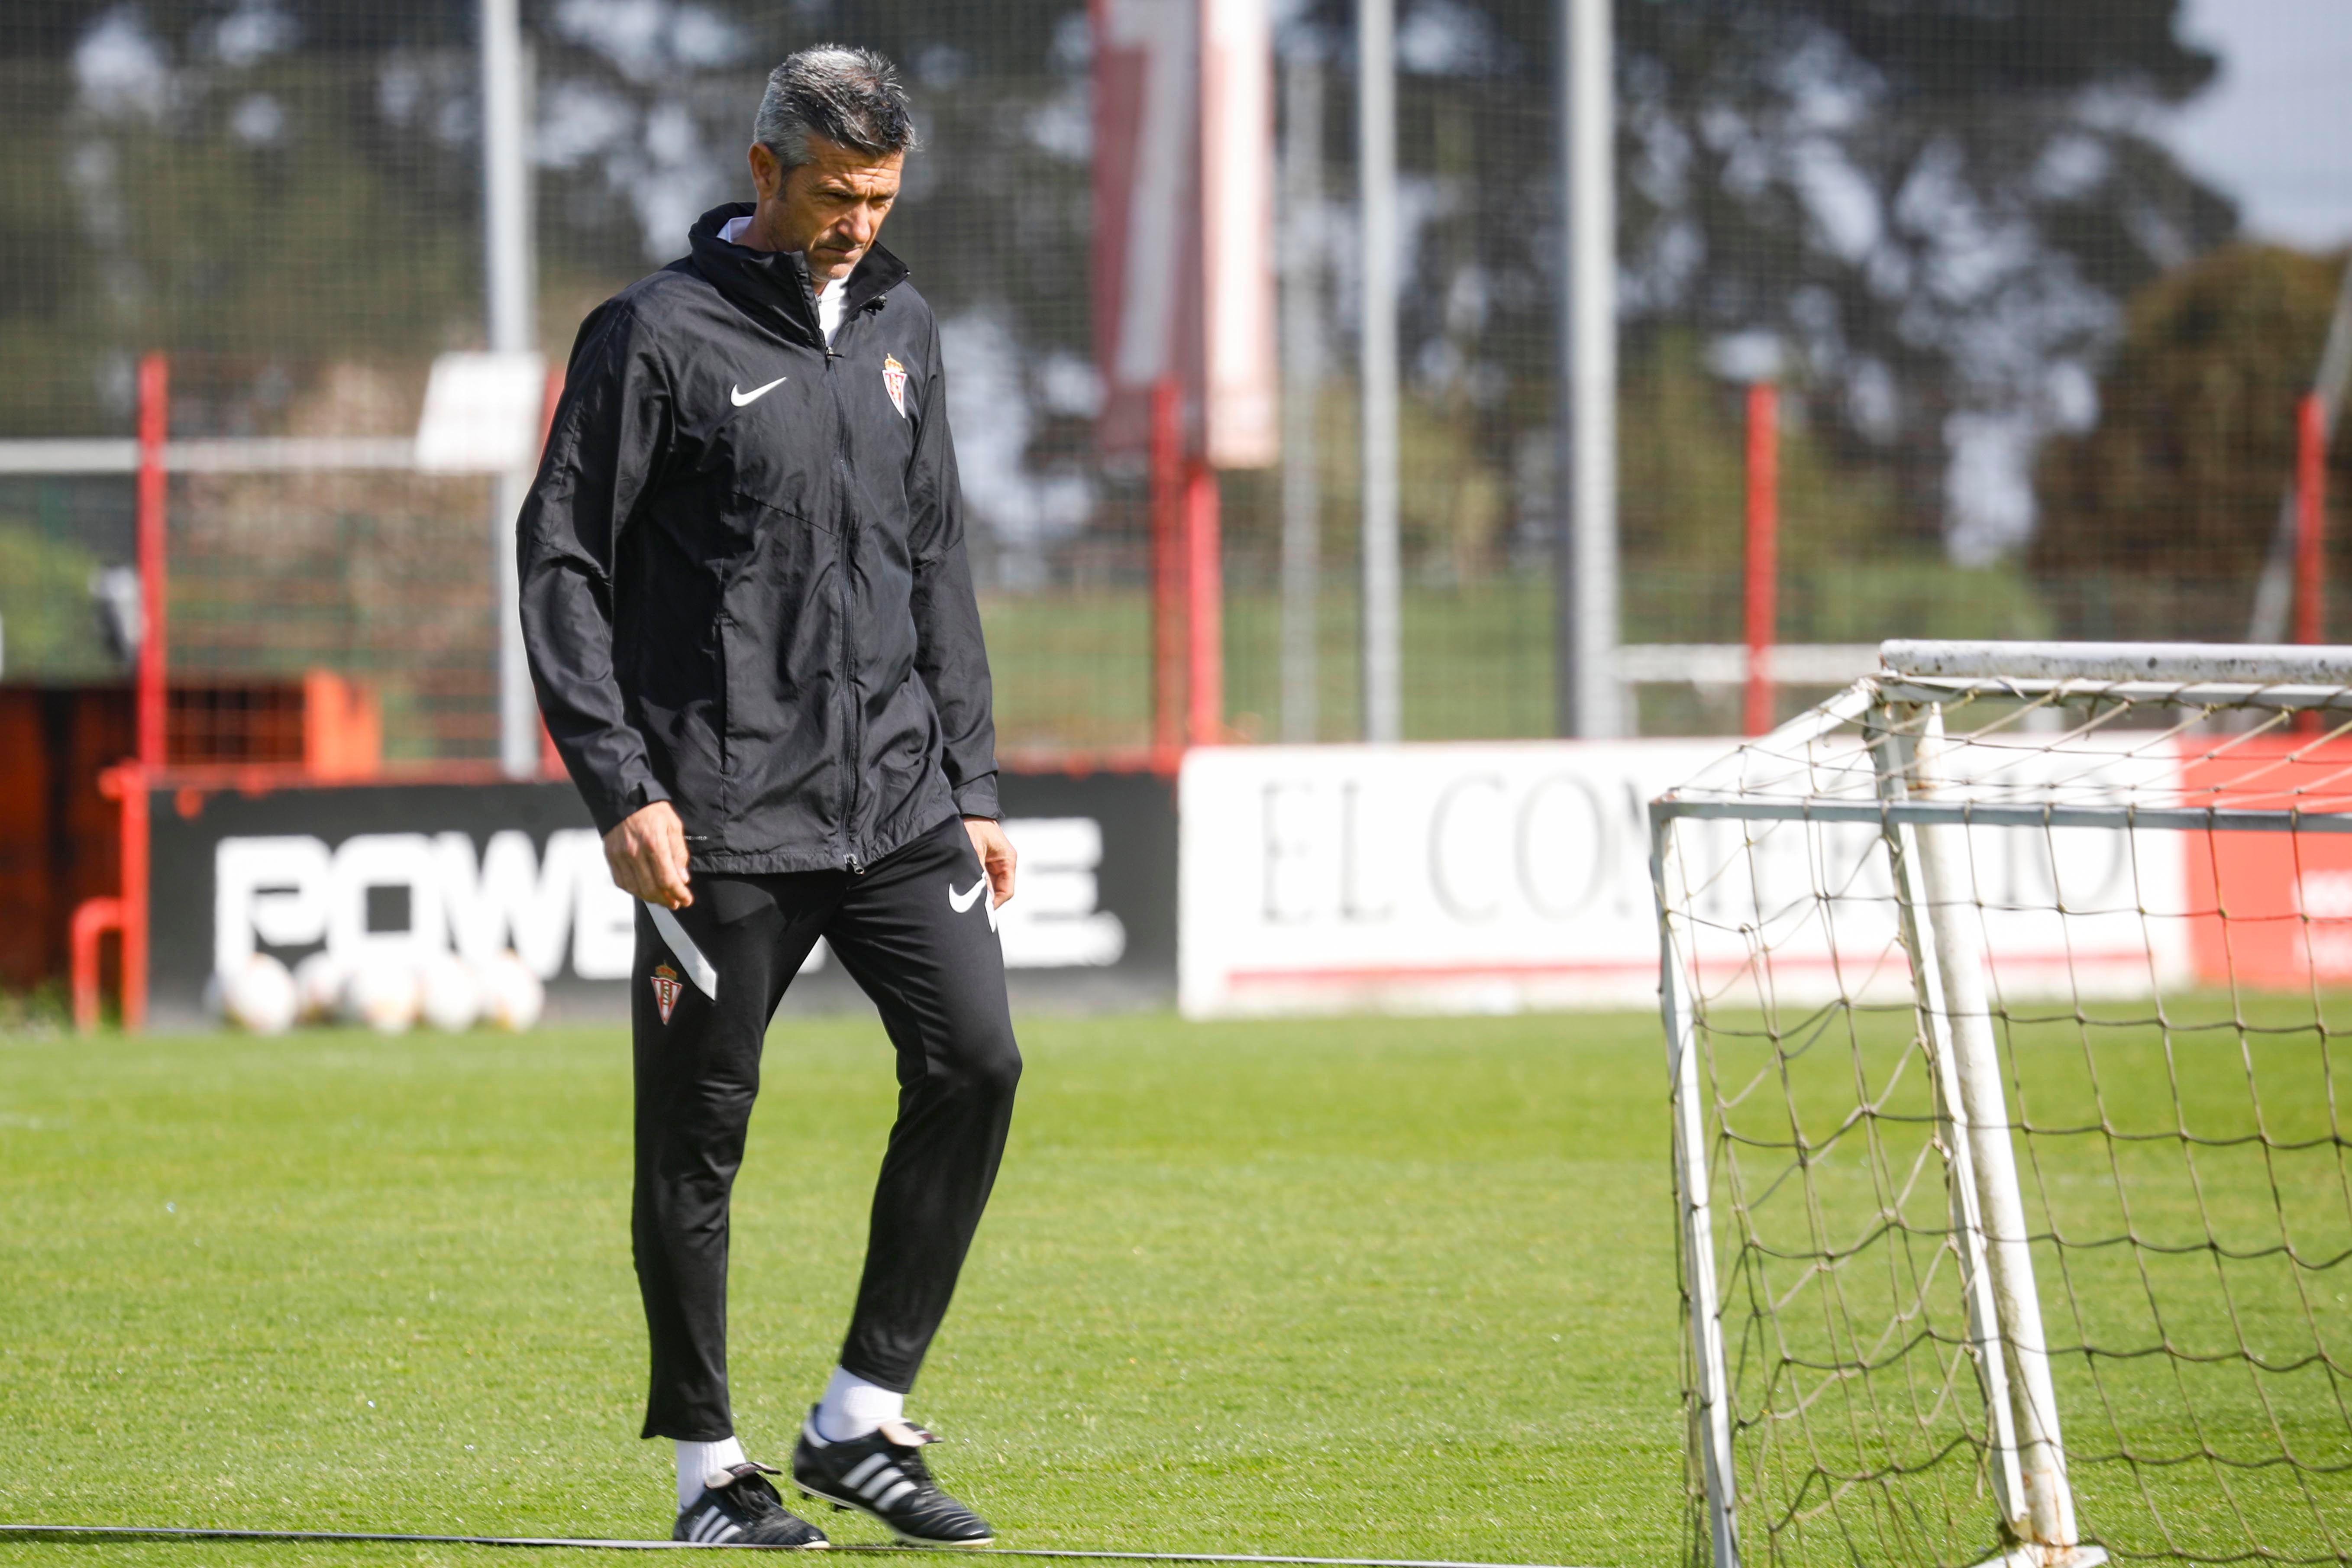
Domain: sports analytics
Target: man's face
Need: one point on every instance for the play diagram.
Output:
(830, 207)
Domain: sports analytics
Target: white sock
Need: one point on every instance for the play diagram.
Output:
(697, 1462)
(852, 1407)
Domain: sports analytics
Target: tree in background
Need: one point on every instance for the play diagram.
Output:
(2183, 476)
(1938, 207)
(1930, 212)
(1934, 208)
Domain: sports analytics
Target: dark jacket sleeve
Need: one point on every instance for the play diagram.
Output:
(611, 426)
(949, 652)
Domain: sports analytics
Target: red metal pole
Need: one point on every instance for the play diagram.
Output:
(150, 698)
(2310, 522)
(134, 790)
(127, 784)
(155, 423)
(1167, 456)
(93, 918)
(1205, 607)
(1763, 548)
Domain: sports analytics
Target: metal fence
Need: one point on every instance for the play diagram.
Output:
(2032, 382)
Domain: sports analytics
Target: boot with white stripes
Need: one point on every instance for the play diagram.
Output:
(739, 1508)
(883, 1475)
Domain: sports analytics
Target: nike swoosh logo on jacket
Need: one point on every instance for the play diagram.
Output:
(743, 399)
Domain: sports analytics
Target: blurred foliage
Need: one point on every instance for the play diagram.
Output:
(1918, 207)
(1016, 35)
(47, 614)
(1931, 203)
(257, 212)
(1682, 443)
(1928, 201)
(43, 1012)
(2194, 449)
(1912, 212)
(1847, 575)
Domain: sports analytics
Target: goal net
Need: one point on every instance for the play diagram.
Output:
(2002, 998)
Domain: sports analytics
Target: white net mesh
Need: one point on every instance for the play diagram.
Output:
(2130, 884)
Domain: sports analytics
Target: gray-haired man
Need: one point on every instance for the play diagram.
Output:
(755, 642)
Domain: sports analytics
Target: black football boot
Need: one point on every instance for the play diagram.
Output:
(882, 1474)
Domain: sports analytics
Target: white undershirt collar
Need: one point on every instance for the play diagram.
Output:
(831, 295)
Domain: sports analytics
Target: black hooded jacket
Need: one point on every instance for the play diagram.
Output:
(742, 567)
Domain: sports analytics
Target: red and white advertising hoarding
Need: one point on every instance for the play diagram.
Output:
(1496, 876)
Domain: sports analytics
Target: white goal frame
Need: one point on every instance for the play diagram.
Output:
(1924, 839)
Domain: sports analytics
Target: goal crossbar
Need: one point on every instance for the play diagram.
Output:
(2254, 666)
(2183, 674)
(1981, 814)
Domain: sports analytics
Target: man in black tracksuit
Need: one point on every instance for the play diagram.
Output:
(753, 636)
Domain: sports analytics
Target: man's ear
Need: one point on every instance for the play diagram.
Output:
(767, 172)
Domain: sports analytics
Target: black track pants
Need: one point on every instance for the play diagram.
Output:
(914, 935)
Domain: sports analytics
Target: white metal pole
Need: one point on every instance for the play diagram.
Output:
(1376, 176)
(1982, 1111)
(1302, 387)
(509, 308)
(1690, 1152)
(1894, 759)
(1589, 696)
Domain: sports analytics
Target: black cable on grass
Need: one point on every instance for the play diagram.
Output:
(183, 1532)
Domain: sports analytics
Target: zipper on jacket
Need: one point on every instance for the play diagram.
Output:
(855, 731)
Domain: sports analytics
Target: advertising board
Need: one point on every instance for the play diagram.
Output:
(1477, 878)
(399, 872)
(1420, 877)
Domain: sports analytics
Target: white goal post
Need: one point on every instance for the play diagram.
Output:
(2015, 1202)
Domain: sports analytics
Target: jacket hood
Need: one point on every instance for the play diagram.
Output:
(774, 285)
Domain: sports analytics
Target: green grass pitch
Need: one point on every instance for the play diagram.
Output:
(1368, 1287)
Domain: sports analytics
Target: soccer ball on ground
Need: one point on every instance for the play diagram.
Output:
(256, 995)
(318, 988)
(512, 995)
(448, 994)
(381, 994)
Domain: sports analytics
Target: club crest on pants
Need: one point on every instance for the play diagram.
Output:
(665, 989)
(894, 382)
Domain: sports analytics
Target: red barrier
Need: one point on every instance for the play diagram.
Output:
(2270, 911)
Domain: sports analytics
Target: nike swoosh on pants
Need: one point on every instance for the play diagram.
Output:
(962, 901)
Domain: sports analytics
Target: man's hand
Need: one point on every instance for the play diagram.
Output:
(996, 856)
(647, 854)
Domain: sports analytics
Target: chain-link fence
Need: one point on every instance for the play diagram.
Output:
(2032, 383)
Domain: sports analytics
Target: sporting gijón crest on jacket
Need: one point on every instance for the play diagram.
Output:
(744, 571)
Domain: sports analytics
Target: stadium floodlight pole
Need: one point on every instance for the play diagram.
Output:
(511, 307)
(1587, 692)
(1302, 378)
(1382, 673)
